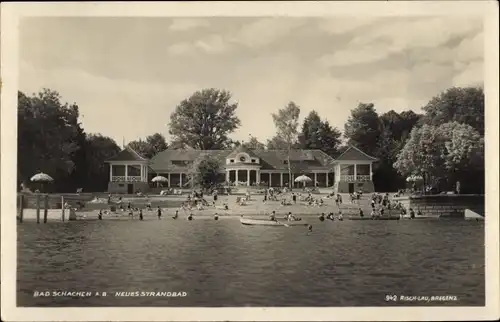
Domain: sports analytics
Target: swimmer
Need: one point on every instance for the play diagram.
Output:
(190, 217)
(322, 217)
(216, 217)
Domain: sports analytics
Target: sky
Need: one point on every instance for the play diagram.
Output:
(128, 74)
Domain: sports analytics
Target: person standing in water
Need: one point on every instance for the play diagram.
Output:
(100, 215)
(176, 214)
(159, 212)
(140, 215)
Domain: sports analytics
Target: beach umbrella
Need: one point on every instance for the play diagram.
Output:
(159, 179)
(303, 178)
(41, 178)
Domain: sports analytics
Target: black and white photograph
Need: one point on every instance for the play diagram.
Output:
(223, 157)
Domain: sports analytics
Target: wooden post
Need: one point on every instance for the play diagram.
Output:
(38, 208)
(45, 208)
(21, 210)
(62, 208)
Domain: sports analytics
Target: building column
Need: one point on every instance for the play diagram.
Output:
(315, 179)
(281, 179)
(327, 179)
(257, 177)
(142, 172)
(126, 172)
(355, 173)
(269, 183)
(248, 177)
(168, 179)
(370, 171)
(180, 180)
(110, 172)
(146, 173)
(236, 179)
(227, 175)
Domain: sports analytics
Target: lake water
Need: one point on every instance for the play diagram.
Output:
(223, 263)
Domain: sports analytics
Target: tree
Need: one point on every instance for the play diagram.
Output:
(204, 171)
(48, 133)
(98, 149)
(318, 134)
(204, 120)
(254, 144)
(363, 128)
(286, 121)
(157, 142)
(463, 105)
(443, 154)
(150, 147)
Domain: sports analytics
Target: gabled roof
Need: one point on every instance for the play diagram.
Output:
(353, 153)
(127, 154)
(269, 159)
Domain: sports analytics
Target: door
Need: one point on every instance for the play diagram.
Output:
(130, 188)
(351, 187)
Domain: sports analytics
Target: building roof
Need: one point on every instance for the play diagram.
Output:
(127, 154)
(353, 153)
(180, 160)
(241, 149)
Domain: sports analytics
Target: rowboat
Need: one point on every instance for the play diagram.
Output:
(267, 222)
(471, 215)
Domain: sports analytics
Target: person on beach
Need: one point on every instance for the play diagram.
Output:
(140, 215)
(373, 213)
(99, 216)
(340, 216)
(294, 198)
(215, 196)
(272, 217)
(159, 212)
(361, 214)
(412, 213)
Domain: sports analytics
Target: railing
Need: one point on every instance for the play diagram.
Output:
(126, 179)
(352, 178)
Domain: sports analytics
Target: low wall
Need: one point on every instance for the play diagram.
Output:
(366, 187)
(452, 206)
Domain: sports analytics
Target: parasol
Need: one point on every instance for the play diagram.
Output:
(303, 178)
(159, 179)
(42, 178)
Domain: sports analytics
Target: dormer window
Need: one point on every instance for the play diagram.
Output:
(231, 161)
(253, 160)
(242, 159)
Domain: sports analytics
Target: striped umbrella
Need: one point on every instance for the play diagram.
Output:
(159, 179)
(42, 178)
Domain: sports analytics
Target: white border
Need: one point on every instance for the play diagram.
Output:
(10, 13)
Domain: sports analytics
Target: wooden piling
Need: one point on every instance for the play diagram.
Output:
(37, 208)
(21, 208)
(62, 208)
(45, 208)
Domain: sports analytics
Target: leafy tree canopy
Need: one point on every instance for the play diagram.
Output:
(204, 120)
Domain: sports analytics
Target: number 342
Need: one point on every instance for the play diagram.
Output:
(391, 298)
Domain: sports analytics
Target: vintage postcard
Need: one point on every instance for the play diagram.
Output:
(249, 161)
